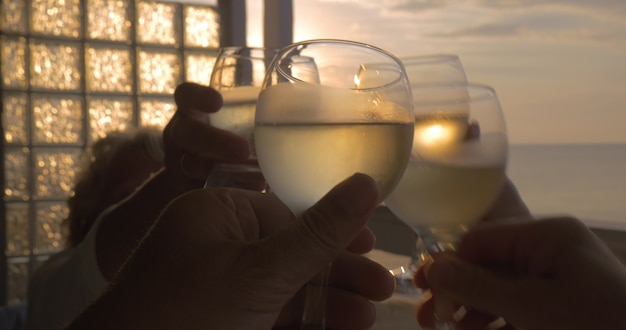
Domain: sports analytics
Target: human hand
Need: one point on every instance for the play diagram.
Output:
(243, 269)
(548, 274)
(192, 145)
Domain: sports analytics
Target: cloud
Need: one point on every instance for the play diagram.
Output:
(553, 23)
(579, 20)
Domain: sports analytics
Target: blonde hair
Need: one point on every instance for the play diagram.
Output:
(94, 183)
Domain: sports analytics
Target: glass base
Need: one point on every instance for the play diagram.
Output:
(439, 239)
(404, 281)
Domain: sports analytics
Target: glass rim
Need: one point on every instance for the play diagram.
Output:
(279, 56)
(432, 58)
(486, 92)
(263, 50)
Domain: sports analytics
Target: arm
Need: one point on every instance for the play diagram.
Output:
(244, 269)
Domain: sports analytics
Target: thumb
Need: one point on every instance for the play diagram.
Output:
(475, 287)
(308, 244)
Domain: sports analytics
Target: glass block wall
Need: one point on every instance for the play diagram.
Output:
(71, 71)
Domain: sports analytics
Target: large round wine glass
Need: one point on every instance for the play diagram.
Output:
(422, 71)
(313, 131)
(457, 166)
(238, 75)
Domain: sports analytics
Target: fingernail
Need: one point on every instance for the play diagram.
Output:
(359, 194)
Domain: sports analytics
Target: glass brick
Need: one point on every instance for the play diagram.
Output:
(17, 281)
(56, 17)
(14, 118)
(13, 15)
(202, 27)
(109, 70)
(156, 112)
(55, 66)
(16, 166)
(57, 118)
(55, 170)
(157, 23)
(108, 20)
(14, 57)
(18, 229)
(159, 72)
(198, 67)
(49, 235)
(107, 114)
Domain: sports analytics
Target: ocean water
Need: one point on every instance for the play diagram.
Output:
(587, 181)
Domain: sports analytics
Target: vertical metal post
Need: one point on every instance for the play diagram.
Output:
(233, 22)
(277, 23)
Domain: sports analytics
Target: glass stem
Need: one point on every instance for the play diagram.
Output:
(440, 239)
(314, 316)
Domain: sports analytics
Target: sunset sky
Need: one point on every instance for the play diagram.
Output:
(559, 66)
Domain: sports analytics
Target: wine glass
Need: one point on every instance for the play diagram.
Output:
(426, 70)
(314, 131)
(457, 165)
(238, 74)
(434, 69)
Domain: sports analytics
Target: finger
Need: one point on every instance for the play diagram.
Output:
(344, 310)
(373, 282)
(364, 242)
(199, 138)
(312, 241)
(480, 289)
(256, 209)
(419, 278)
(425, 312)
(475, 320)
(497, 242)
(191, 96)
(445, 308)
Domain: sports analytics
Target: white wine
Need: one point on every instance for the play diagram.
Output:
(310, 137)
(452, 178)
(440, 195)
(237, 113)
(302, 162)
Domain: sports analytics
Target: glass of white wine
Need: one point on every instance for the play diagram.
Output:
(238, 74)
(314, 131)
(457, 166)
(426, 70)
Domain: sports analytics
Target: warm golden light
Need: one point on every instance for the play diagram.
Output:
(357, 81)
(440, 132)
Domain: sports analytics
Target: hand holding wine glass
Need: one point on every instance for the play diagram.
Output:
(457, 167)
(422, 71)
(313, 131)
